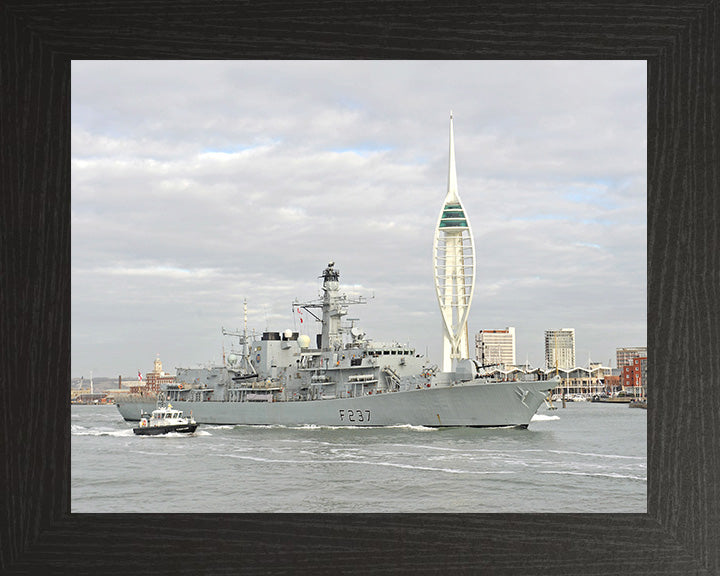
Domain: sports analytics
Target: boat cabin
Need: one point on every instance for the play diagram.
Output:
(167, 414)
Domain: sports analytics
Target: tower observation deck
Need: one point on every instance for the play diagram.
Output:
(454, 268)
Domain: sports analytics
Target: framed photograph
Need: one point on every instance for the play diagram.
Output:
(672, 535)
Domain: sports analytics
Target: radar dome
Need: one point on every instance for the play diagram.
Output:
(303, 340)
(232, 359)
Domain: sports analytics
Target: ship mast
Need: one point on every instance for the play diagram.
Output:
(245, 347)
(334, 306)
(245, 365)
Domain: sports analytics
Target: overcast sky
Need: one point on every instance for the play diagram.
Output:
(196, 185)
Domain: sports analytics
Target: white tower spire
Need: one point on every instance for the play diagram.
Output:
(454, 268)
(452, 173)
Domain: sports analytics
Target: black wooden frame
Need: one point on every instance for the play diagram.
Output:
(680, 534)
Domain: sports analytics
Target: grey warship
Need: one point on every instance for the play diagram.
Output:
(345, 380)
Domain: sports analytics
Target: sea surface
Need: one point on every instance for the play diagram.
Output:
(587, 457)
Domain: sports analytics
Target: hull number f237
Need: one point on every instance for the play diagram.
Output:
(354, 415)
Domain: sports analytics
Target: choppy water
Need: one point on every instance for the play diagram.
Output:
(583, 458)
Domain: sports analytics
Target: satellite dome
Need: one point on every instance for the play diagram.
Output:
(232, 359)
(287, 334)
(303, 340)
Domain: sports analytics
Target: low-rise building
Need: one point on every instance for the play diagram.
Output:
(577, 380)
(625, 356)
(612, 383)
(157, 377)
(634, 376)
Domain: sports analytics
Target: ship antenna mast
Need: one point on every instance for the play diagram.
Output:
(246, 365)
(245, 346)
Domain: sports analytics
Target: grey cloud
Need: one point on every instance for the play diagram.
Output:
(198, 184)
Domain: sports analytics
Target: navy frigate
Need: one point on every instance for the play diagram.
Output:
(344, 379)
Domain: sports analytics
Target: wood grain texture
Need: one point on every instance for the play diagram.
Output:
(681, 532)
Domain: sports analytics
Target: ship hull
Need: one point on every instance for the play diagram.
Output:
(471, 404)
(156, 430)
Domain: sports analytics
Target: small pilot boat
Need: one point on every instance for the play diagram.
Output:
(163, 420)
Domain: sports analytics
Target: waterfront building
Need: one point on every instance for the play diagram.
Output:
(454, 268)
(495, 347)
(157, 377)
(642, 365)
(634, 376)
(128, 386)
(612, 383)
(576, 380)
(85, 396)
(583, 381)
(137, 386)
(625, 356)
(560, 348)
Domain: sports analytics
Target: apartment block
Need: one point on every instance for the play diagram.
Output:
(495, 346)
(560, 348)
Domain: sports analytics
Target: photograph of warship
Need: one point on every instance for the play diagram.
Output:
(345, 379)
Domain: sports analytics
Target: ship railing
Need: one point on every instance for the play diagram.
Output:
(363, 382)
(362, 378)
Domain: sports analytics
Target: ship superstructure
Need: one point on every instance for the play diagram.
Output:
(284, 368)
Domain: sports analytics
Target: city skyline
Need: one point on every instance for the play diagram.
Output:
(196, 185)
(610, 362)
